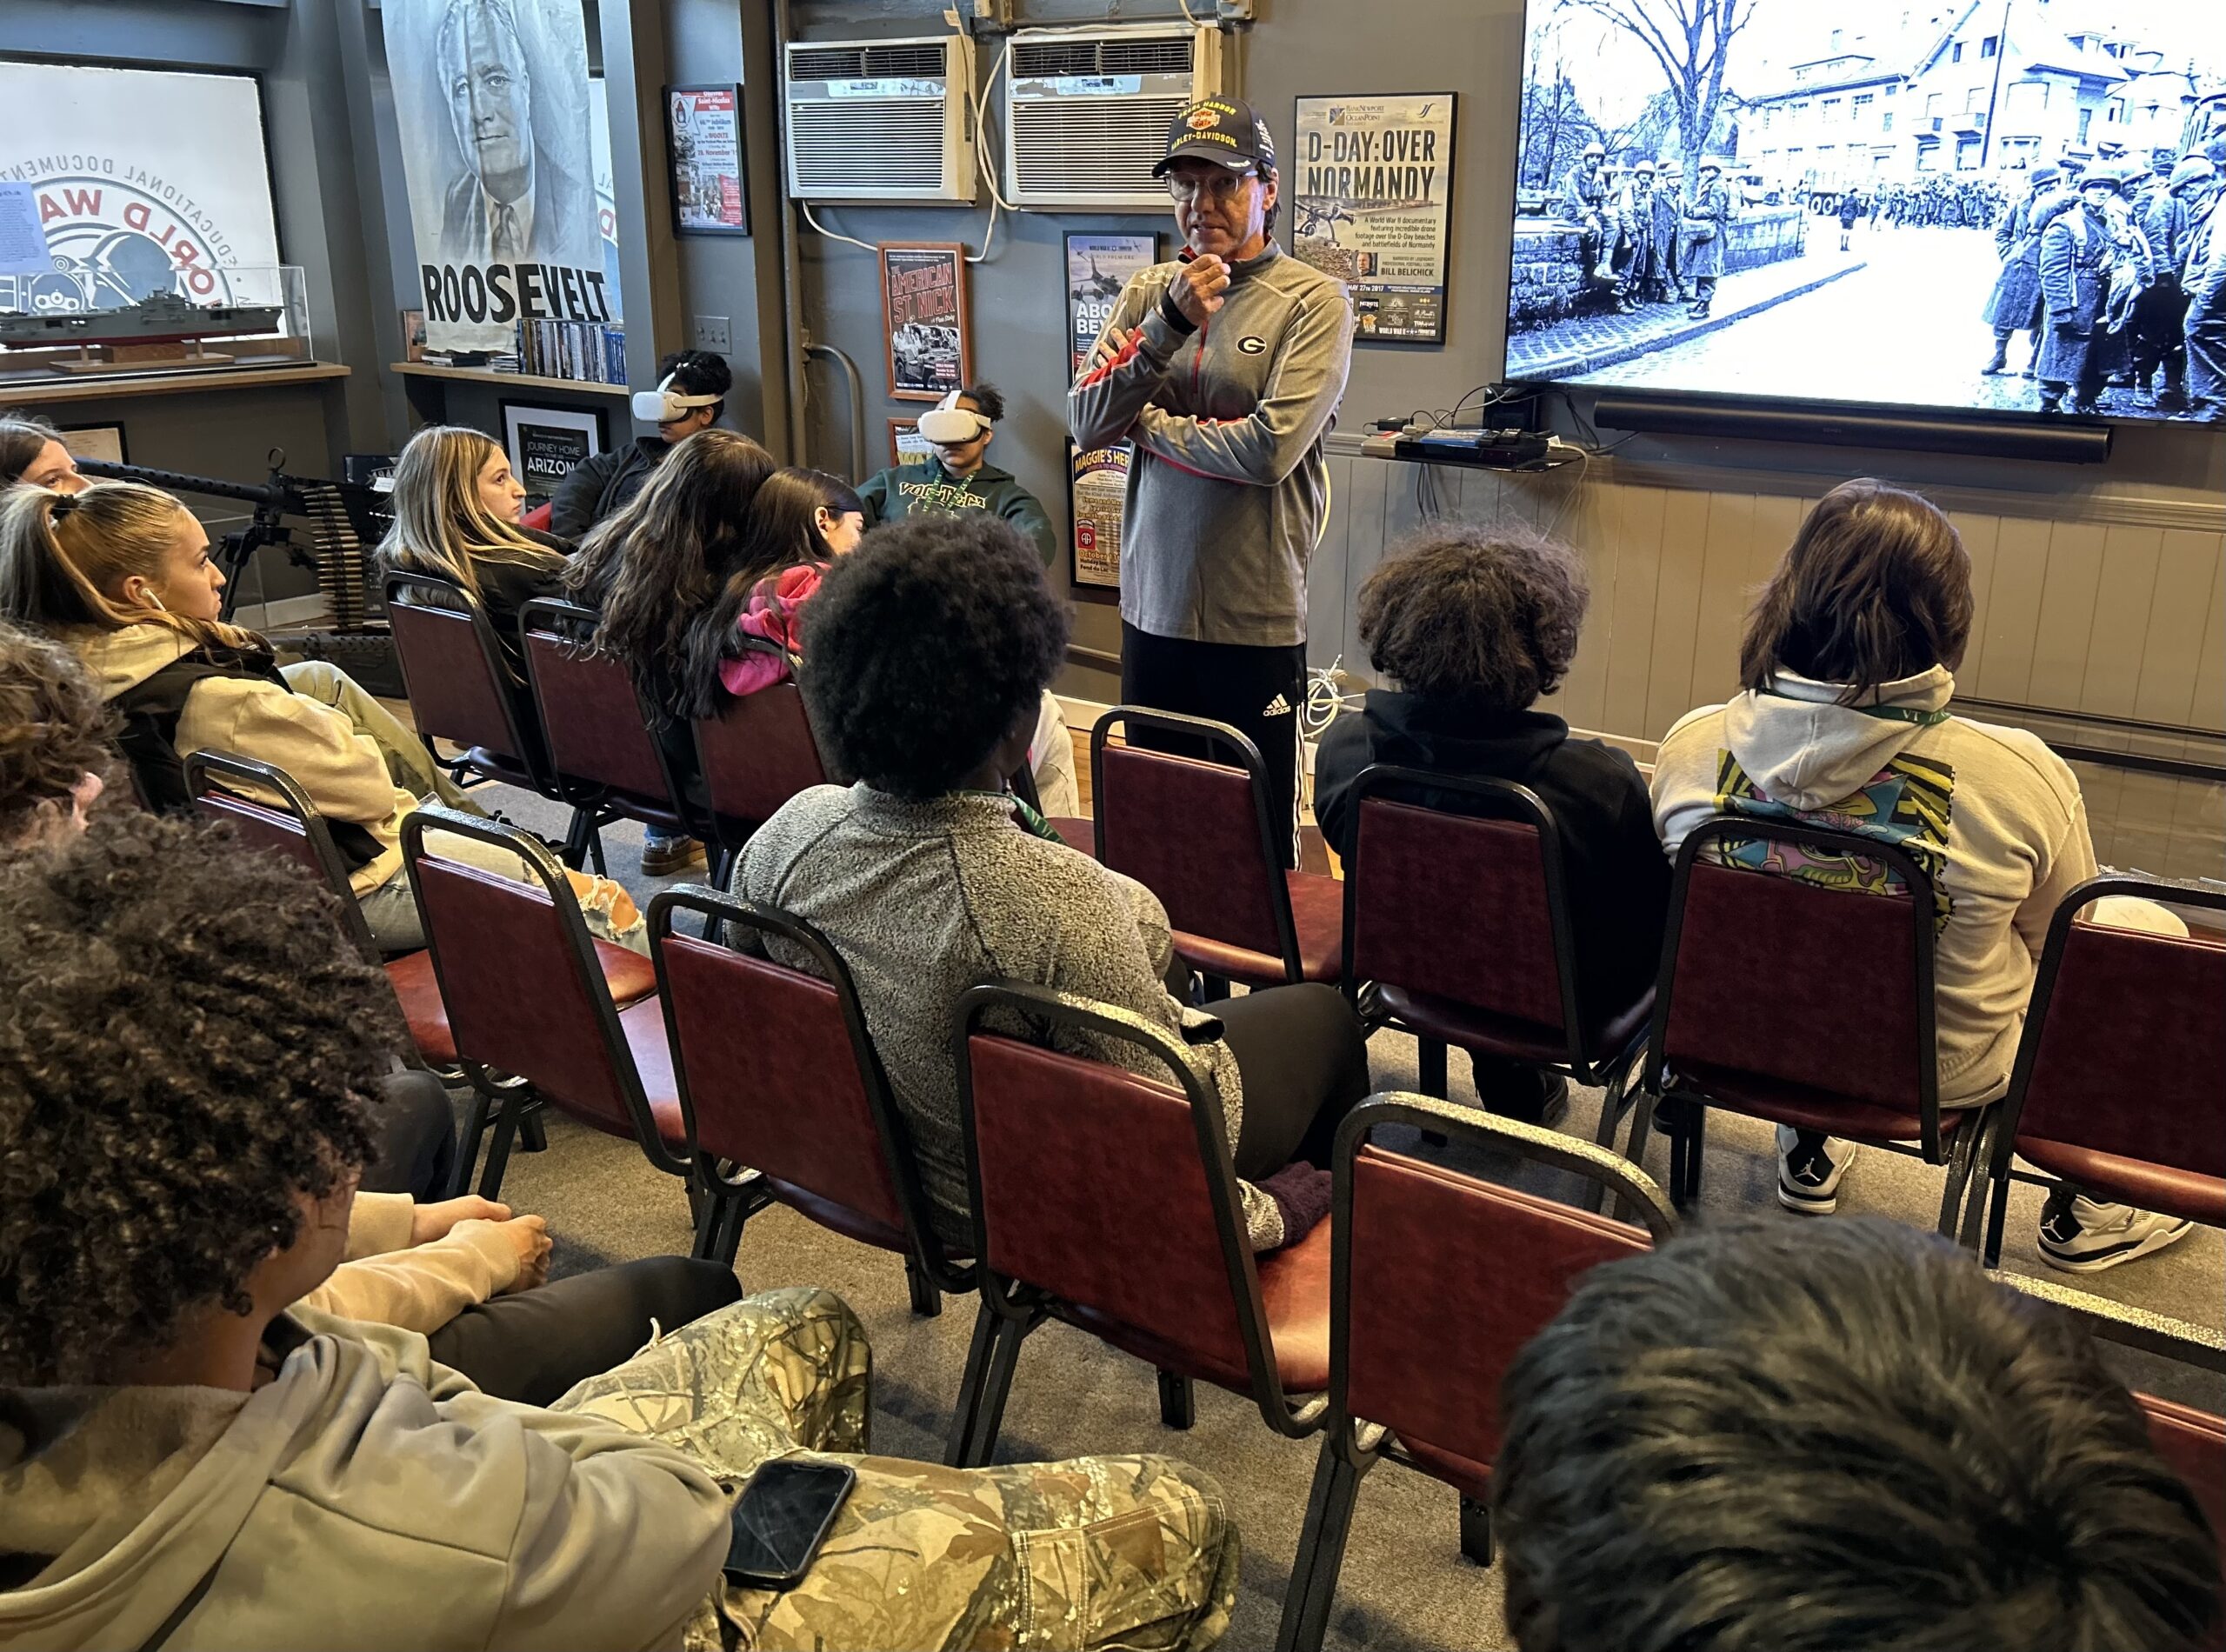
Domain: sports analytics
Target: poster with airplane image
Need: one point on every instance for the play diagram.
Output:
(1098, 266)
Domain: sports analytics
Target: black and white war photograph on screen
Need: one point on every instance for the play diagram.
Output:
(2009, 205)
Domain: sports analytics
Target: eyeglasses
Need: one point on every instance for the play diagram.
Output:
(1217, 186)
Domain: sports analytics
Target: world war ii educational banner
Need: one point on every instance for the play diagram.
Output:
(1371, 194)
(491, 98)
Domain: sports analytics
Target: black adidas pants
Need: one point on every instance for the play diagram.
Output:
(1256, 691)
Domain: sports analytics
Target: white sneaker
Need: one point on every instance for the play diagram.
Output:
(1809, 1172)
(2080, 1236)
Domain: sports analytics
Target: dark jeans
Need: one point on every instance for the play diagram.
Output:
(532, 1347)
(413, 1138)
(1305, 1066)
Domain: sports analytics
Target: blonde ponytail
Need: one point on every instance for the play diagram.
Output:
(65, 558)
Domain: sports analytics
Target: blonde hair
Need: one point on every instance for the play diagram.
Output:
(64, 557)
(440, 525)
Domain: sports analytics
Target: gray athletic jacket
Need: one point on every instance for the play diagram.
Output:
(1227, 491)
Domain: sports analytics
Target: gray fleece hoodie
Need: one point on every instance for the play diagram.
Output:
(1991, 813)
(1228, 489)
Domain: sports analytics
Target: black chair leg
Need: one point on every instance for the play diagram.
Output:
(574, 854)
(1211, 988)
(1612, 1111)
(1321, 1556)
(1961, 1160)
(595, 847)
(1178, 1404)
(532, 1131)
(997, 1388)
(708, 1206)
(969, 1387)
(498, 1150)
(1431, 1078)
(474, 1131)
(1476, 1531)
(927, 1297)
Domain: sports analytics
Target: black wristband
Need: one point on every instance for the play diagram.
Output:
(1171, 313)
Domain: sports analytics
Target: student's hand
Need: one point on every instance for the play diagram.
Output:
(431, 1221)
(1201, 288)
(530, 1236)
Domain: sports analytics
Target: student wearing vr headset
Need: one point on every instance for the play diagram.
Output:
(959, 476)
(691, 396)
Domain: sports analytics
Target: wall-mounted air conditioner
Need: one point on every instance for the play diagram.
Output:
(1087, 111)
(881, 120)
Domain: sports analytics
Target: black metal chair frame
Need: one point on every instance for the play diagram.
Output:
(1219, 734)
(531, 754)
(1660, 1086)
(1351, 1445)
(1502, 800)
(1011, 1309)
(515, 1099)
(737, 1191)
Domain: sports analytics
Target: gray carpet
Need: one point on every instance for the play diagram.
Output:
(1404, 1583)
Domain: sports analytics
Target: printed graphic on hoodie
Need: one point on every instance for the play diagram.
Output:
(1906, 804)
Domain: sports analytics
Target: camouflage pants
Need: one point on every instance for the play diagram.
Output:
(1136, 1552)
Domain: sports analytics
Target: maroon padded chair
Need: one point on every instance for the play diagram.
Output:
(807, 1108)
(1198, 835)
(2118, 1084)
(1458, 929)
(1789, 1000)
(598, 734)
(528, 995)
(1108, 1201)
(1438, 1278)
(2193, 1445)
(755, 756)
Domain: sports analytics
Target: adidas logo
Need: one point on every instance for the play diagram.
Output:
(1277, 707)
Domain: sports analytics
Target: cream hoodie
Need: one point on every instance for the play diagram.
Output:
(1993, 814)
(342, 771)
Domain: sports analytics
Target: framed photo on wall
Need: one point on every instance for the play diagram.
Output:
(702, 132)
(545, 443)
(95, 442)
(906, 444)
(923, 319)
(1097, 498)
(1380, 215)
(1098, 266)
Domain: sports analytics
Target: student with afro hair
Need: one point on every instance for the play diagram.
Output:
(930, 647)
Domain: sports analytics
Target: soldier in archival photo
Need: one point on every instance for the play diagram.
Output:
(2197, 184)
(2015, 304)
(1584, 203)
(2075, 259)
(1638, 255)
(2159, 347)
(1669, 213)
(1700, 239)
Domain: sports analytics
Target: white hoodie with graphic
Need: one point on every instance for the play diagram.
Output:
(1990, 812)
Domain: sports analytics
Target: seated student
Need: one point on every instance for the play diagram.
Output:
(1848, 666)
(691, 396)
(31, 450)
(660, 573)
(1472, 625)
(930, 646)
(192, 1460)
(956, 476)
(122, 573)
(1828, 1436)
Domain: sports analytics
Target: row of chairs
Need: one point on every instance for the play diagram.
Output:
(1100, 1199)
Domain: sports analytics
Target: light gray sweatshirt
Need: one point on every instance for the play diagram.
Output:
(1227, 491)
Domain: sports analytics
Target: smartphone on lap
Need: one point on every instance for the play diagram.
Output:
(781, 1519)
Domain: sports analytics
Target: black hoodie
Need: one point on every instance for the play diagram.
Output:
(1618, 876)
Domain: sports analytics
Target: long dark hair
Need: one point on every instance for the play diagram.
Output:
(24, 437)
(658, 569)
(1875, 587)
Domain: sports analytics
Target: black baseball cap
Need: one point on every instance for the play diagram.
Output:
(1227, 129)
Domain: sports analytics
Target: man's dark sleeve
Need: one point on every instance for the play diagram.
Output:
(571, 508)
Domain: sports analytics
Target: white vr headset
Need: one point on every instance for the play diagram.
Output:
(664, 404)
(951, 424)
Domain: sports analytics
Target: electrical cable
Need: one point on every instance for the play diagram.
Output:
(1323, 700)
(847, 240)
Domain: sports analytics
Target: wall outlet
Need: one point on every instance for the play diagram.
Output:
(714, 333)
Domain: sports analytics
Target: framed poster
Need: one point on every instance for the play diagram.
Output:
(546, 443)
(1371, 194)
(923, 318)
(906, 444)
(1098, 266)
(1097, 498)
(95, 442)
(710, 196)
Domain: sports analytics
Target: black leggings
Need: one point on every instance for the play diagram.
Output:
(532, 1347)
(413, 1138)
(1304, 1064)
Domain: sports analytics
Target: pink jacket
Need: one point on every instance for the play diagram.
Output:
(774, 613)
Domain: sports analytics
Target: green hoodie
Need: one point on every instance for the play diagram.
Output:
(932, 490)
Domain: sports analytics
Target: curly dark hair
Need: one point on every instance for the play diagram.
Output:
(54, 729)
(187, 1043)
(1491, 612)
(1812, 1436)
(924, 646)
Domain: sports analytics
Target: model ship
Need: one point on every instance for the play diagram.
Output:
(163, 318)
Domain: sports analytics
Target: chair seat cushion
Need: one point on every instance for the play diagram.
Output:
(1317, 913)
(2137, 1182)
(497, 765)
(1469, 1478)
(631, 977)
(642, 1023)
(1806, 1108)
(1479, 1030)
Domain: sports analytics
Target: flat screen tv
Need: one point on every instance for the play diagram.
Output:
(1985, 206)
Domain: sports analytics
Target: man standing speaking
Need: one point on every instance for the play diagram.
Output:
(1224, 371)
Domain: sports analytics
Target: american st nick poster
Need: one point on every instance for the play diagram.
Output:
(1369, 194)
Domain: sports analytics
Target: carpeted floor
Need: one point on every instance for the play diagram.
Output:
(1404, 1583)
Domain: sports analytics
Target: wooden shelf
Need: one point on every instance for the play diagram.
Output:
(40, 392)
(517, 381)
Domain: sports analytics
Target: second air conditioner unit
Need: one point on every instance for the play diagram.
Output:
(881, 120)
(1087, 111)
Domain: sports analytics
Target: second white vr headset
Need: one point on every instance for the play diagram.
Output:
(664, 404)
(951, 424)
